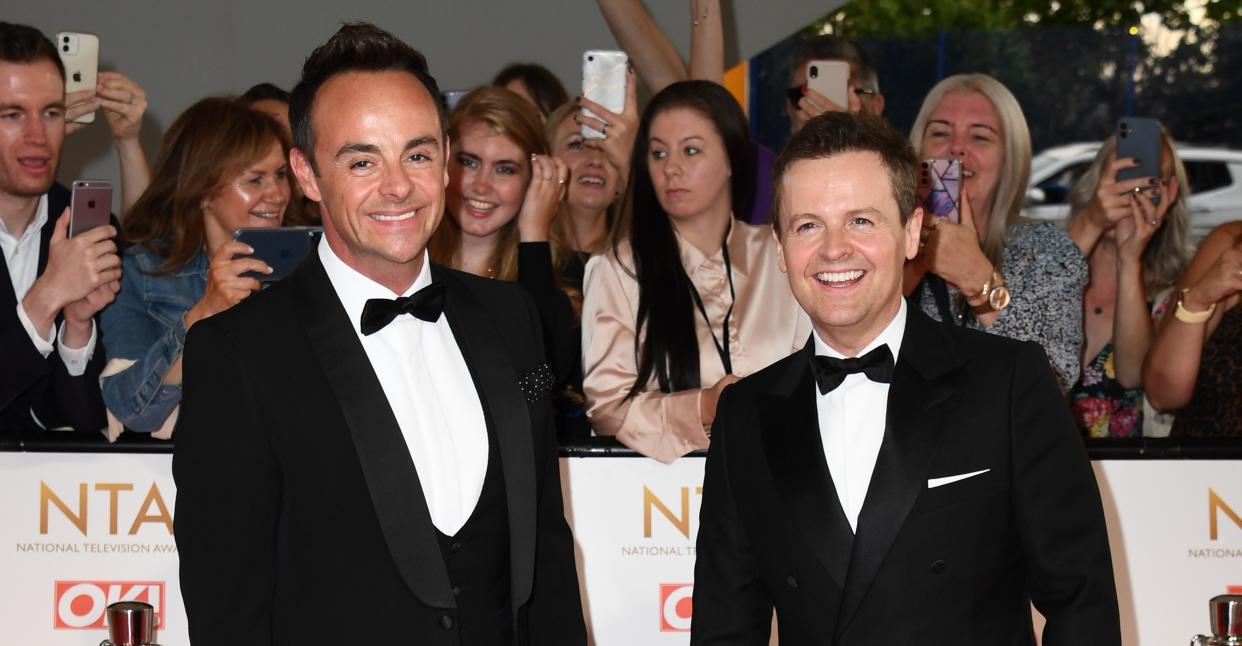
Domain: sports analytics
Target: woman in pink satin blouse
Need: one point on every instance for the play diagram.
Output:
(689, 299)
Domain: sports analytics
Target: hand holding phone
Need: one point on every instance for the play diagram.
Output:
(940, 187)
(1139, 138)
(831, 79)
(603, 81)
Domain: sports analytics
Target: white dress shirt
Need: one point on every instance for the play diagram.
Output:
(430, 390)
(851, 421)
(21, 256)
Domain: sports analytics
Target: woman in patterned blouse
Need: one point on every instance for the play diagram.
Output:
(1134, 233)
(955, 277)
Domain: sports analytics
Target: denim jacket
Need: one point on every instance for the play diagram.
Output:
(145, 324)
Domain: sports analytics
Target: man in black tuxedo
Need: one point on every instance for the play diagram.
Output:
(51, 285)
(926, 501)
(357, 469)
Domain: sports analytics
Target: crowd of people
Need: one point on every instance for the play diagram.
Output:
(649, 253)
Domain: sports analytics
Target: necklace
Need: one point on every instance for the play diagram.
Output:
(1099, 310)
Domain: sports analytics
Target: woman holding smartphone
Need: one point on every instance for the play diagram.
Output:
(1192, 367)
(687, 299)
(989, 271)
(1134, 234)
(221, 166)
(502, 199)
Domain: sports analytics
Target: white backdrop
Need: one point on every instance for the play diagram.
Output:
(78, 531)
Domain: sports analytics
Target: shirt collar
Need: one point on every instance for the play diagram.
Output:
(693, 258)
(36, 225)
(891, 335)
(355, 289)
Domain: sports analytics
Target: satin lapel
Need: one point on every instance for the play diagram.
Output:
(925, 389)
(391, 478)
(795, 453)
(481, 345)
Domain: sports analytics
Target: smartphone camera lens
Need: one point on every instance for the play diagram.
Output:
(66, 39)
(591, 59)
(814, 71)
(65, 48)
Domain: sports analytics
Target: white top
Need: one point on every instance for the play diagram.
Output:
(430, 390)
(851, 421)
(21, 256)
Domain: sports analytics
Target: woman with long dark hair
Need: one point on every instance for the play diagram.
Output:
(688, 299)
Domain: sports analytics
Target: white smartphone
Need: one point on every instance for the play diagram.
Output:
(831, 79)
(80, 54)
(603, 81)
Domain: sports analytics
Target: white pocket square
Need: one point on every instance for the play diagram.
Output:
(932, 483)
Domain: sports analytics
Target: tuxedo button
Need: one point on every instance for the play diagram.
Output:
(937, 567)
(455, 547)
(793, 583)
(446, 622)
(456, 591)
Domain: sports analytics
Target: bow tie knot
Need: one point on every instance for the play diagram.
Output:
(829, 372)
(426, 304)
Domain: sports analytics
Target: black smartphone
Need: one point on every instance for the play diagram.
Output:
(89, 205)
(1139, 137)
(282, 248)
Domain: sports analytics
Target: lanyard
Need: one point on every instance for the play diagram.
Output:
(721, 348)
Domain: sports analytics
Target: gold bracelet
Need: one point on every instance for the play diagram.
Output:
(1186, 316)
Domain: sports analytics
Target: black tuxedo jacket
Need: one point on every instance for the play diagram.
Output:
(300, 518)
(954, 564)
(30, 382)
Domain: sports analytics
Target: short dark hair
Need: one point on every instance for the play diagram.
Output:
(23, 44)
(540, 82)
(355, 47)
(836, 133)
(838, 48)
(264, 92)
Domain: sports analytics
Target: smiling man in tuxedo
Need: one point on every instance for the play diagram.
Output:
(365, 452)
(897, 481)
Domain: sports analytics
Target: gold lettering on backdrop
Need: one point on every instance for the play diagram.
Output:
(1216, 505)
(113, 488)
(144, 516)
(46, 495)
(680, 521)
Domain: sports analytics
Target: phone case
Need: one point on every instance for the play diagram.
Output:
(89, 205)
(282, 248)
(831, 79)
(80, 54)
(940, 187)
(603, 81)
(1139, 137)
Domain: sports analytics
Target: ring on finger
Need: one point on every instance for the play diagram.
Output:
(1153, 221)
(1137, 189)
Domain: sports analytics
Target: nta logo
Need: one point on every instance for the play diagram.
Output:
(680, 520)
(81, 604)
(152, 509)
(676, 607)
(1216, 506)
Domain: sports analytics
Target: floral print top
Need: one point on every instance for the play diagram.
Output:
(1101, 405)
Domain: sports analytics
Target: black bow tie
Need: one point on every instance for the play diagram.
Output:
(830, 371)
(426, 304)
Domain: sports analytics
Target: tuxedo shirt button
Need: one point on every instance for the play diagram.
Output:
(446, 622)
(937, 567)
(455, 547)
(793, 583)
(456, 591)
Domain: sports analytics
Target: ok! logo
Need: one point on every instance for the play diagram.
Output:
(676, 607)
(82, 604)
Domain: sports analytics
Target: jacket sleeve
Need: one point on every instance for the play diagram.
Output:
(664, 426)
(1058, 512)
(731, 604)
(537, 275)
(138, 396)
(228, 497)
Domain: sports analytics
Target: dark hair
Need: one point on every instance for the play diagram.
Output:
(23, 44)
(540, 82)
(836, 133)
(671, 350)
(838, 48)
(264, 92)
(355, 47)
(210, 142)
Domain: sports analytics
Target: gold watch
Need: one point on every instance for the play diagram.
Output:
(995, 292)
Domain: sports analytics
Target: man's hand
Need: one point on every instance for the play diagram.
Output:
(76, 267)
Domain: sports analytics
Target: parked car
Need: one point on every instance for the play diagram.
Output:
(1215, 176)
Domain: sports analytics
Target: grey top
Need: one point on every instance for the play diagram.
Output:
(1046, 274)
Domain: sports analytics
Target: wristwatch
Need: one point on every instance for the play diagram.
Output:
(1186, 316)
(995, 292)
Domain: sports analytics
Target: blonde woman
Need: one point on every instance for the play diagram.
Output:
(991, 272)
(1134, 234)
